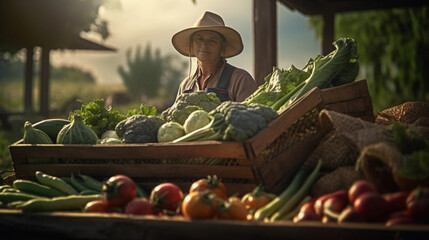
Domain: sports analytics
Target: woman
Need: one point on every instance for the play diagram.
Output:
(211, 42)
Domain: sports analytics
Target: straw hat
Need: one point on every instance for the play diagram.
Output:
(209, 22)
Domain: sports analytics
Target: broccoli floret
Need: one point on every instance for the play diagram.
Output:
(243, 121)
(139, 129)
(188, 103)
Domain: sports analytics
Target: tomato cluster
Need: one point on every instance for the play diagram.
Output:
(120, 195)
(363, 203)
(207, 198)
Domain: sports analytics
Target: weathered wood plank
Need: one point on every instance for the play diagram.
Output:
(63, 225)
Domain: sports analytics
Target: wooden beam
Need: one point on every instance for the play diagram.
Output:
(28, 84)
(328, 32)
(44, 83)
(265, 38)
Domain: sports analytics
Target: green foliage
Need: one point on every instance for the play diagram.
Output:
(147, 72)
(70, 73)
(97, 117)
(393, 49)
(143, 110)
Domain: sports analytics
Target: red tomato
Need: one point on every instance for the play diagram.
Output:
(97, 206)
(166, 196)
(211, 183)
(360, 187)
(233, 210)
(371, 206)
(200, 205)
(256, 199)
(349, 214)
(118, 191)
(139, 206)
(306, 213)
(396, 201)
(418, 203)
(320, 201)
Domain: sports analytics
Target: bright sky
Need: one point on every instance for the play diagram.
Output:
(140, 22)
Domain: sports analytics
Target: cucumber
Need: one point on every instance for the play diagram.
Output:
(51, 127)
(68, 203)
(36, 188)
(55, 182)
(7, 197)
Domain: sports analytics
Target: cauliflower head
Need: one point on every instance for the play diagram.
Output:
(170, 131)
(188, 103)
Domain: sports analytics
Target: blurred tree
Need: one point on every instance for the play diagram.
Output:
(47, 23)
(393, 48)
(146, 73)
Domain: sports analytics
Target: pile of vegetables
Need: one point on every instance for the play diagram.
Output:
(187, 103)
(362, 202)
(282, 88)
(230, 121)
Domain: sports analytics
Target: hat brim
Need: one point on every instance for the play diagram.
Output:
(233, 43)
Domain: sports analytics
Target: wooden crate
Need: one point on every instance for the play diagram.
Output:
(278, 151)
(269, 158)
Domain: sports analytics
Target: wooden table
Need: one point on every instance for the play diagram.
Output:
(68, 225)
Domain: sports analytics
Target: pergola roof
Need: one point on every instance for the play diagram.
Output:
(80, 43)
(317, 7)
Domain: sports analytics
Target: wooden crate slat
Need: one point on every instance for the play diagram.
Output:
(288, 162)
(354, 105)
(347, 91)
(136, 170)
(131, 151)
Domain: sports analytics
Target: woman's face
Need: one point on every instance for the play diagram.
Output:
(207, 46)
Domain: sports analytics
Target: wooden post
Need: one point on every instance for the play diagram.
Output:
(328, 32)
(28, 85)
(44, 83)
(265, 38)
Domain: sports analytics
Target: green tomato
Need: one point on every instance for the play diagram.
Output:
(196, 120)
(170, 131)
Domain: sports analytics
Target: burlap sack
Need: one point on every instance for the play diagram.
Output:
(381, 163)
(408, 112)
(335, 150)
(340, 179)
(342, 122)
(369, 136)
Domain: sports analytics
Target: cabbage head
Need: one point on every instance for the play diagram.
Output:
(170, 131)
(196, 120)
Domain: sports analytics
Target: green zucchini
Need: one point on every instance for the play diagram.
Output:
(36, 188)
(68, 203)
(55, 182)
(7, 197)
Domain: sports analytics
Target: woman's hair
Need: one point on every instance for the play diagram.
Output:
(222, 47)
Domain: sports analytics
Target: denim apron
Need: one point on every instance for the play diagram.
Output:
(222, 87)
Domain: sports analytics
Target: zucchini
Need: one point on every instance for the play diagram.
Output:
(36, 188)
(55, 182)
(72, 202)
(51, 127)
(7, 197)
(78, 184)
